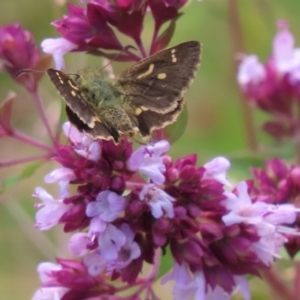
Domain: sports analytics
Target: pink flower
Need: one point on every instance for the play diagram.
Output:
(95, 263)
(188, 285)
(286, 57)
(267, 218)
(110, 242)
(44, 293)
(149, 161)
(50, 293)
(58, 47)
(78, 244)
(107, 207)
(84, 145)
(50, 210)
(128, 252)
(65, 281)
(216, 169)
(63, 176)
(159, 201)
(250, 71)
(185, 287)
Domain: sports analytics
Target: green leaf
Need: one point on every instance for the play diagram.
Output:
(174, 131)
(166, 264)
(12, 181)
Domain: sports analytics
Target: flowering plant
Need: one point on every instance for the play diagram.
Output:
(129, 205)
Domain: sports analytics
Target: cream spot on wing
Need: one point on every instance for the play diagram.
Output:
(57, 73)
(150, 70)
(60, 80)
(72, 85)
(138, 111)
(174, 59)
(73, 93)
(144, 108)
(161, 76)
(96, 119)
(173, 51)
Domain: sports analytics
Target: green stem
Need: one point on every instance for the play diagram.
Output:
(238, 47)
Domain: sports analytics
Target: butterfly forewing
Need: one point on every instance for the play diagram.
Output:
(70, 92)
(158, 82)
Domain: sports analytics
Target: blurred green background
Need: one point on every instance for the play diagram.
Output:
(216, 123)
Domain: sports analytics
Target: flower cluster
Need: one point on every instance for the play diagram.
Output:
(274, 87)
(279, 183)
(89, 28)
(125, 207)
(128, 204)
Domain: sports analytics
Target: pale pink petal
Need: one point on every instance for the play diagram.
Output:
(78, 244)
(217, 169)
(250, 71)
(50, 293)
(58, 47)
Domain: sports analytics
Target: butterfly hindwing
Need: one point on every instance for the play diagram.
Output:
(151, 120)
(99, 131)
(158, 82)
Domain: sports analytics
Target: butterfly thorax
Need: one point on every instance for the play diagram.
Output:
(98, 89)
(106, 97)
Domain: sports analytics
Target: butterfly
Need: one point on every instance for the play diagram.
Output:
(146, 96)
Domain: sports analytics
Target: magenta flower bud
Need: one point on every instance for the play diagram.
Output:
(295, 176)
(167, 161)
(118, 165)
(117, 184)
(18, 52)
(135, 208)
(87, 28)
(187, 173)
(172, 175)
(187, 160)
(165, 10)
(126, 15)
(180, 211)
(159, 239)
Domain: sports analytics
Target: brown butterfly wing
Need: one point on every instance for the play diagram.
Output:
(158, 82)
(70, 92)
(148, 121)
(99, 131)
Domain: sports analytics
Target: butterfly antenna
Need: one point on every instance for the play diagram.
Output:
(25, 71)
(125, 49)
